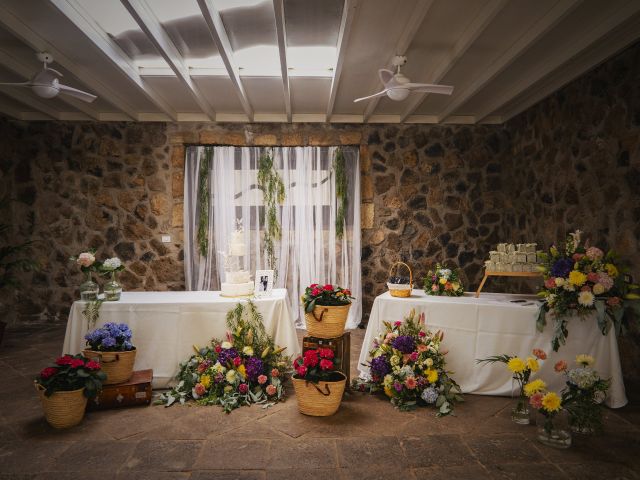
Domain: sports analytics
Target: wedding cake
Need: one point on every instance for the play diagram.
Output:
(237, 281)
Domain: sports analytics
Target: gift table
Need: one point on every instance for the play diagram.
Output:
(166, 325)
(493, 324)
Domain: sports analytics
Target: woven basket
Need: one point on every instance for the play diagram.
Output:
(327, 321)
(118, 366)
(63, 409)
(321, 399)
(397, 290)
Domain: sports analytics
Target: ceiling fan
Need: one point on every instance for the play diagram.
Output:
(46, 83)
(398, 87)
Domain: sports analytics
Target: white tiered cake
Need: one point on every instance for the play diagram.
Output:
(238, 282)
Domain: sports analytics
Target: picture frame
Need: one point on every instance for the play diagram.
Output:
(263, 283)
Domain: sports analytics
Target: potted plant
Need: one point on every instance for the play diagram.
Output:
(326, 309)
(65, 387)
(111, 346)
(318, 386)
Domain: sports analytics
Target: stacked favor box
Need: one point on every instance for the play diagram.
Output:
(522, 257)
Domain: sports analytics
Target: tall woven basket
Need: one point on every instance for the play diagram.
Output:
(118, 366)
(326, 321)
(400, 290)
(321, 399)
(63, 409)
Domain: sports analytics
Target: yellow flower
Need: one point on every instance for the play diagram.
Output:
(228, 388)
(388, 391)
(551, 402)
(248, 351)
(577, 278)
(388, 380)
(431, 374)
(534, 387)
(532, 364)
(586, 360)
(242, 371)
(205, 380)
(443, 281)
(611, 270)
(231, 376)
(455, 286)
(516, 365)
(554, 251)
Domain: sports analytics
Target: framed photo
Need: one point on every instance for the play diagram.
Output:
(264, 283)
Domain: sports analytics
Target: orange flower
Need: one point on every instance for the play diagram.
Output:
(540, 354)
(560, 366)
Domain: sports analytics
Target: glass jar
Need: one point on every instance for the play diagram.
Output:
(553, 430)
(520, 412)
(112, 289)
(89, 289)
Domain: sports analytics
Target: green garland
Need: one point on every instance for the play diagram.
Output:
(339, 170)
(273, 194)
(203, 201)
(91, 312)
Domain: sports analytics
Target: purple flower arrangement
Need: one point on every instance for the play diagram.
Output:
(112, 337)
(404, 344)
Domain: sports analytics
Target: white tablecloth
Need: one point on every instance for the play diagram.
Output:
(492, 325)
(166, 325)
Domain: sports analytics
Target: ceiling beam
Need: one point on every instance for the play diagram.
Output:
(10, 111)
(26, 98)
(348, 14)
(76, 12)
(278, 7)
(33, 39)
(408, 34)
(26, 72)
(157, 35)
(470, 35)
(220, 38)
(515, 50)
(555, 58)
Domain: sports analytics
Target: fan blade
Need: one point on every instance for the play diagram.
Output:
(21, 84)
(429, 88)
(385, 76)
(79, 94)
(379, 94)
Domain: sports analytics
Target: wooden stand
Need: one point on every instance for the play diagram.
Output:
(505, 274)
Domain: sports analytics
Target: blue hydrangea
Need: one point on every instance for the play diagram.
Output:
(430, 395)
(127, 345)
(108, 342)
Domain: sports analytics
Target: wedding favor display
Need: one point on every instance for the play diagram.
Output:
(237, 279)
(400, 283)
(513, 258)
(111, 346)
(326, 309)
(408, 365)
(443, 281)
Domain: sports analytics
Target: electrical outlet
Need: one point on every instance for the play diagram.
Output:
(166, 238)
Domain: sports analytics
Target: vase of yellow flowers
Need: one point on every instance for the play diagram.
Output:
(552, 423)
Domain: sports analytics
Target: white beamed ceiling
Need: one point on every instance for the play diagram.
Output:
(502, 56)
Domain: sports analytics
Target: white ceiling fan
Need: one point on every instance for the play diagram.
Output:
(398, 87)
(46, 83)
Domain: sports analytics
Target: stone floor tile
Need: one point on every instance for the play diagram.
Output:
(599, 471)
(228, 475)
(30, 457)
(498, 449)
(373, 452)
(233, 454)
(472, 471)
(436, 450)
(92, 456)
(302, 473)
(152, 475)
(164, 455)
(528, 471)
(365, 472)
(308, 453)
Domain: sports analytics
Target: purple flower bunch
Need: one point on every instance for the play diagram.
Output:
(404, 343)
(562, 267)
(380, 366)
(254, 368)
(227, 355)
(111, 337)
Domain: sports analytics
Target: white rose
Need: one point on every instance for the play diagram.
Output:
(231, 376)
(598, 289)
(429, 362)
(226, 345)
(248, 351)
(559, 281)
(86, 259)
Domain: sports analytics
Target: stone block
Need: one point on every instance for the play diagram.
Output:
(177, 184)
(323, 138)
(209, 137)
(367, 212)
(160, 204)
(180, 138)
(366, 187)
(350, 138)
(177, 216)
(265, 140)
(293, 139)
(177, 156)
(365, 159)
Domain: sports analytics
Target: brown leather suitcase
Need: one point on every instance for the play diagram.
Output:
(136, 391)
(341, 347)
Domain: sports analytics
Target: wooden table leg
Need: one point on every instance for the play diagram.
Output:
(484, 279)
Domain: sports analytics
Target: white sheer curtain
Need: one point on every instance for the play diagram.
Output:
(309, 251)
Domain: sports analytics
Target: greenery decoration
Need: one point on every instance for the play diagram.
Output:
(203, 201)
(340, 172)
(272, 187)
(91, 312)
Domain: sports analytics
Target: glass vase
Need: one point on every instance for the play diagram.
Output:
(520, 412)
(89, 289)
(585, 416)
(553, 430)
(112, 289)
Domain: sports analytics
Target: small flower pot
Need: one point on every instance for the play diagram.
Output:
(320, 399)
(327, 321)
(118, 366)
(63, 409)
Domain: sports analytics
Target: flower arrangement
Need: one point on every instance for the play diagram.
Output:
(87, 261)
(245, 368)
(111, 337)
(316, 365)
(72, 372)
(581, 279)
(409, 366)
(583, 395)
(111, 265)
(327, 295)
(443, 281)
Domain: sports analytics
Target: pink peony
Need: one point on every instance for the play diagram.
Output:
(243, 388)
(594, 253)
(86, 259)
(271, 390)
(199, 389)
(536, 400)
(262, 379)
(605, 280)
(550, 283)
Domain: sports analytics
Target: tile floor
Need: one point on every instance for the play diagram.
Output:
(367, 438)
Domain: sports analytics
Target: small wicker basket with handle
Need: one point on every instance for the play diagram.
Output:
(400, 290)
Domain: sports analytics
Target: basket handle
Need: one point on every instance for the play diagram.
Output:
(324, 310)
(326, 387)
(39, 387)
(117, 359)
(408, 268)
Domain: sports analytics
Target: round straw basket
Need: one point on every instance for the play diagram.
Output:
(400, 290)
(321, 399)
(63, 409)
(326, 321)
(118, 366)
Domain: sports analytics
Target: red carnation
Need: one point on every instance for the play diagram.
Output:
(218, 349)
(243, 388)
(65, 360)
(76, 363)
(326, 364)
(310, 358)
(91, 365)
(237, 361)
(48, 372)
(328, 287)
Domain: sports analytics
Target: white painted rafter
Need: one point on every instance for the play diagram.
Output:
(76, 12)
(348, 14)
(559, 55)
(408, 34)
(528, 38)
(157, 35)
(281, 31)
(10, 111)
(33, 39)
(221, 39)
(470, 35)
(27, 99)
